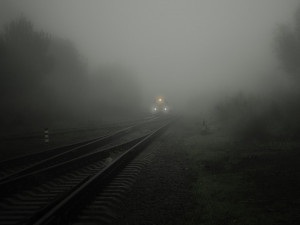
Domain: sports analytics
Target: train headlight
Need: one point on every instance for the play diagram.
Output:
(165, 108)
(155, 109)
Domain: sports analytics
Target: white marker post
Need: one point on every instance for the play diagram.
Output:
(46, 135)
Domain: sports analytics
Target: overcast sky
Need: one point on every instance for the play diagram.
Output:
(175, 46)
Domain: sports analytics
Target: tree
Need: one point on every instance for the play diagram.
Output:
(24, 64)
(67, 82)
(287, 41)
(42, 79)
(287, 48)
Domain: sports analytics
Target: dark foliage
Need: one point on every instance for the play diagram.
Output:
(279, 118)
(248, 119)
(287, 46)
(43, 81)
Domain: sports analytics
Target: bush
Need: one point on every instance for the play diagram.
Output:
(248, 119)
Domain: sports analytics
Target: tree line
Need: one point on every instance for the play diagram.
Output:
(44, 80)
(276, 117)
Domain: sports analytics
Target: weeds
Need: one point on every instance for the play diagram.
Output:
(242, 183)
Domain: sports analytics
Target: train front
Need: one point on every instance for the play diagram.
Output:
(160, 106)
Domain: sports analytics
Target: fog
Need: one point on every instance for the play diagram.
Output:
(187, 111)
(186, 51)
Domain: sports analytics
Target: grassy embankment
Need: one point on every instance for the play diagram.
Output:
(239, 183)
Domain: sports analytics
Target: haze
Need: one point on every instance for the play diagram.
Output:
(178, 49)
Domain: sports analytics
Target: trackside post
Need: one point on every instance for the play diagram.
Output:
(46, 135)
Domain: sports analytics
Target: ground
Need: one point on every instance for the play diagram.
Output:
(163, 189)
(209, 178)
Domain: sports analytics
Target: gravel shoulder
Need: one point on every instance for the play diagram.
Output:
(162, 192)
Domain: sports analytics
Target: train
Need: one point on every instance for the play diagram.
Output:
(160, 106)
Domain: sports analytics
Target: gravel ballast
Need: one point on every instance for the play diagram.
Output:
(162, 192)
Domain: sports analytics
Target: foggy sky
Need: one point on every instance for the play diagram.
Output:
(177, 48)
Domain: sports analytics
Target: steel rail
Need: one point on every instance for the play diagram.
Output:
(35, 134)
(98, 180)
(20, 181)
(68, 154)
(53, 156)
(73, 152)
(61, 148)
(51, 183)
(42, 154)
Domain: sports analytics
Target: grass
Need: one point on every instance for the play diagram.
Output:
(238, 183)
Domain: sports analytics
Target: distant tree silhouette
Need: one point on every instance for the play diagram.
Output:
(24, 63)
(41, 78)
(287, 47)
(287, 41)
(68, 80)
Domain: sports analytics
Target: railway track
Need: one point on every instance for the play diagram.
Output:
(31, 162)
(44, 194)
(103, 206)
(58, 132)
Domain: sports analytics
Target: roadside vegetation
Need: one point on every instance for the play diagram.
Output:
(246, 167)
(273, 117)
(241, 183)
